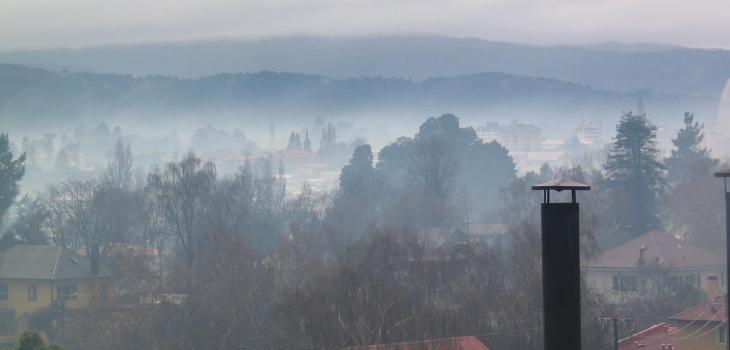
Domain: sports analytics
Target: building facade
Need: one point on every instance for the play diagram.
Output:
(35, 277)
(648, 263)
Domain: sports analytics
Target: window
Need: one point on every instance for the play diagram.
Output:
(625, 283)
(67, 292)
(32, 292)
(692, 280)
(3, 292)
(674, 281)
(628, 283)
(7, 321)
(721, 335)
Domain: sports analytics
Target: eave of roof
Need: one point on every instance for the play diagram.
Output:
(661, 250)
(41, 262)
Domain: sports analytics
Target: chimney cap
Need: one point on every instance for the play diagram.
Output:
(723, 173)
(563, 184)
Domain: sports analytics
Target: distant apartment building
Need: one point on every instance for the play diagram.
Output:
(523, 141)
(589, 134)
(516, 137)
(649, 263)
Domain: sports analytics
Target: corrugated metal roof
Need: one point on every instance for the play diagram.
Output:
(659, 250)
(43, 262)
(708, 311)
(652, 338)
(456, 343)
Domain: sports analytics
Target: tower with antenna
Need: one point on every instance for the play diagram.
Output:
(640, 108)
(272, 136)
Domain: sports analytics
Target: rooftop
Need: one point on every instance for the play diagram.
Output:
(659, 250)
(709, 311)
(45, 262)
(651, 338)
(456, 343)
(562, 184)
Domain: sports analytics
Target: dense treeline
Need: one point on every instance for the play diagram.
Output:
(32, 94)
(220, 262)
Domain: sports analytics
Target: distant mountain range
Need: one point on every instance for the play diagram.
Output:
(611, 66)
(32, 94)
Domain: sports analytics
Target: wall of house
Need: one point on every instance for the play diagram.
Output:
(695, 337)
(602, 281)
(46, 295)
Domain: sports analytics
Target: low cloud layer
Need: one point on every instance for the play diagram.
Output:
(28, 24)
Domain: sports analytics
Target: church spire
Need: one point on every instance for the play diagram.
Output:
(307, 143)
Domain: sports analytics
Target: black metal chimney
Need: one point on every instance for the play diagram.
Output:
(94, 257)
(724, 174)
(561, 267)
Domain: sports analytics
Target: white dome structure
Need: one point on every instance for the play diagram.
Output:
(723, 112)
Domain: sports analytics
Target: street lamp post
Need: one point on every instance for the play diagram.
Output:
(724, 174)
(561, 267)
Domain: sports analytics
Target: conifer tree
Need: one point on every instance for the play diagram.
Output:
(11, 171)
(635, 172)
(688, 156)
(691, 203)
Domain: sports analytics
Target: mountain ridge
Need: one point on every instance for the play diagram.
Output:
(34, 94)
(624, 68)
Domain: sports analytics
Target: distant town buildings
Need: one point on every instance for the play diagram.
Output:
(530, 149)
(516, 137)
(589, 134)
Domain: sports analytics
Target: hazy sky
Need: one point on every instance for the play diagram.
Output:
(72, 23)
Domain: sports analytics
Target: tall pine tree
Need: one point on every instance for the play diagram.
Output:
(692, 201)
(635, 172)
(11, 171)
(688, 159)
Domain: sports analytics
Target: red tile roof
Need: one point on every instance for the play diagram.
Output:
(660, 250)
(708, 311)
(652, 338)
(456, 343)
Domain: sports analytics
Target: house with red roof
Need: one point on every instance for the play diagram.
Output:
(700, 327)
(703, 326)
(656, 337)
(455, 343)
(649, 262)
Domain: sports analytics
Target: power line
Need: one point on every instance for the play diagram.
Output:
(697, 318)
(703, 327)
(705, 333)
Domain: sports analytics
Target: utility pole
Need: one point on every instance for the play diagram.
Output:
(615, 334)
(615, 320)
(724, 174)
(561, 267)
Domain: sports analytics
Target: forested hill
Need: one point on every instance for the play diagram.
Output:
(31, 94)
(611, 66)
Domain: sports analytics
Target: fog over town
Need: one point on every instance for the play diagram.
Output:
(364, 175)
